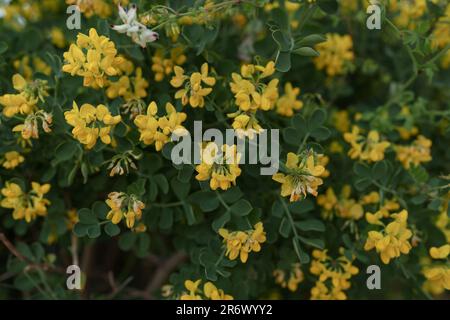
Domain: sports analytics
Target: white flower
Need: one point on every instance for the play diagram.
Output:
(133, 28)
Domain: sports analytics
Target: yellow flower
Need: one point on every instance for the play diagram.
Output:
(94, 58)
(295, 277)
(369, 149)
(220, 166)
(341, 120)
(213, 293)
(156, 130)
(392, 240)
(241, 243)
(288, 102)
(441, 252)
(250, 92)
(93, 7)
(333, 275)
(192, 287)
(26, 206)
(193, 91)
(57, 37)
(25, 101)
(334, 54)
(162, 66)
(245, 124)
(124, 206)
(302, 176)
(409, 12)
(91, 123)
(130, 88)
(418, 152)
(12, 160)
(438, 279)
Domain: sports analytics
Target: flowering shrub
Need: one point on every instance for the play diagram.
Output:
(91, 119)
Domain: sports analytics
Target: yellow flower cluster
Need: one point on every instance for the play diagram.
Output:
(25, 101)
(130, 88)
(124, 206)
(90, 123)
(11, 160)
(302, 176)
(369, 149)
(252, 94)
(288, 102)
(163, 66)
(157, 130)
(345, 207)
(93, 57)
(441, 36)
(26, 206)
(415, 154)
(334, 276)
(393, 240)
(24, 67)
(295, 277)
(241, 243)
(408, 12)
(438, 275)
(334, 54)
(220, 166)
(193, 91)
(210, 291)
(89, 8)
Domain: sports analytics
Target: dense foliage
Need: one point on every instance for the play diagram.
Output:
(87, 177)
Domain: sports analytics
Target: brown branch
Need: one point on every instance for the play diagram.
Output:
(13, 249)
(163, 272)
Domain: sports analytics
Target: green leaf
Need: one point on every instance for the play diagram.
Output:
(207, 200)
(127, 240)
(80, 230)
(310, 40)
(185, 174)
(181, 189)
(232, 195)
(379, 170)
(190, 217)
(303, 257)
(137, 188)
(316, 243)
(280, 17)
(329, 6)
(112, 229)
(317, 118)
(87, 217)
(93, 231)
(3, 47)
(143, 244)
(291, 136)
(100, 209)
(285, 228)
(221, 220)
(419, 174)
(362, 184)
(321, 133)
(241, 208)
(362, 170)
(66, 151)
(300, 207)
(166, 219)
(162, 183)
(311, 225)
(306, 52)
(283, 39)
(277, 209)
(283, 61)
